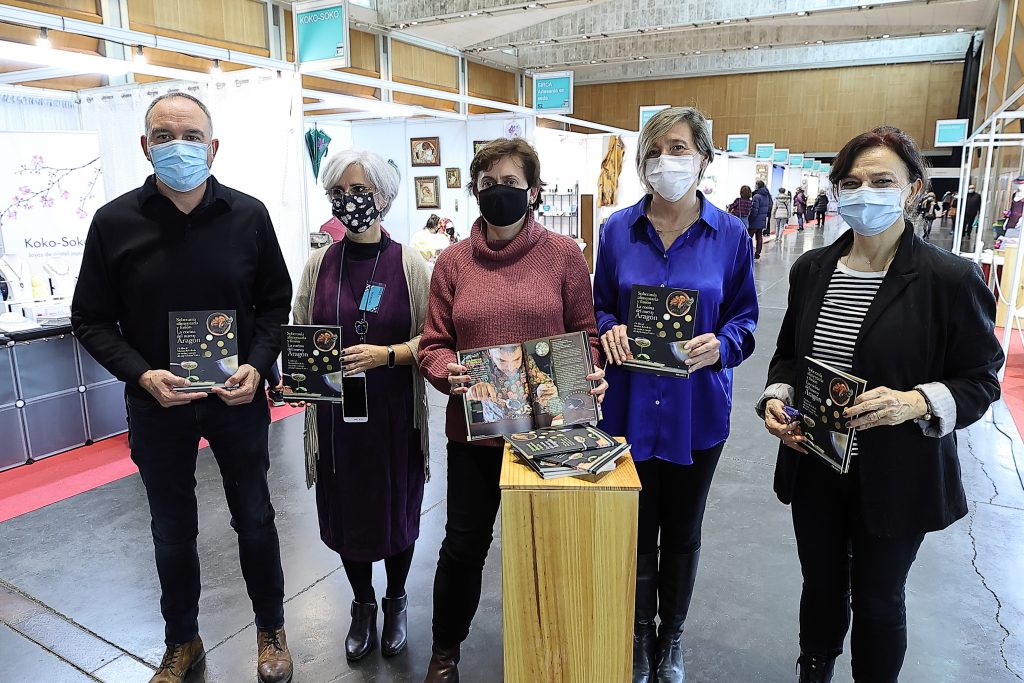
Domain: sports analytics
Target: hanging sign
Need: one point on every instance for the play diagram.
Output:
(737, 144)
(809, 164)
(826, 168)
(647, 113)
(817, 166)
(321, 34)
(951, 132)
(781, 156)
(796, 160)
(765, 151)
(552, 93)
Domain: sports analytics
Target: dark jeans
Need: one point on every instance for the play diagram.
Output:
(756, 233)
(473, 500)
(820, 217)
(969, 223)
(672, 501)
(839, 557)
(164, 445)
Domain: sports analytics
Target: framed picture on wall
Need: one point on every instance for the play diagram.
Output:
(425, 151)
(428, 192)
(477, 144)
(453, 176)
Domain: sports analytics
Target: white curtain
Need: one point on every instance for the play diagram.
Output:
(31, 113)
(256, 117)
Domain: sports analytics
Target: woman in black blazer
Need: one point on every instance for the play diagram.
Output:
(916, 323)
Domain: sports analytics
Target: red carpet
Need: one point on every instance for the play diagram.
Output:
(1013, 382)
(30, 487)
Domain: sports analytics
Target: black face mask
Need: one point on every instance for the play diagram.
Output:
(501, 205)
(356, 211)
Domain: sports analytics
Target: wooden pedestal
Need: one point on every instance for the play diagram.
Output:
(568, 549)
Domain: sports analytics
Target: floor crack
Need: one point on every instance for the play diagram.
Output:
(995, 596)
(981, 464)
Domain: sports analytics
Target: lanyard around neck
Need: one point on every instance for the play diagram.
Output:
(361, 325)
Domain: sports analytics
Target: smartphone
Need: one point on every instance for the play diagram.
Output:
(353, 407)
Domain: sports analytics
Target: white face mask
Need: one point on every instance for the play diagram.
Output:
(672, 176)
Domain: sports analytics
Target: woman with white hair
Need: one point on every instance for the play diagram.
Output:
(369, 475)
(673, 238)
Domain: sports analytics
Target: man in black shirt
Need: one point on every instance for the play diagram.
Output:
(184, 242)
(972, 207)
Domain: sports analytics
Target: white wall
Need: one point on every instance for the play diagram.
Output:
(318, 206)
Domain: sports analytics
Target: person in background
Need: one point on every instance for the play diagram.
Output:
(511, 281)
(120, 315)
(859, 533)
(930, 210)
(947, 201)
(972, 207)
(781, 211)
(799, 207)
(431, 239)
(740, 207)
(820, 208)
(760, 208)
(673, 237)
(369, 475)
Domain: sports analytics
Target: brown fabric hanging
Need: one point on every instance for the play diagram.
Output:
(611, 168)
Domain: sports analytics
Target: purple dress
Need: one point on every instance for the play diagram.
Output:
(370, 475)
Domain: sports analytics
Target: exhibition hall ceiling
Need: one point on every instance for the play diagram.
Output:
(615, 40)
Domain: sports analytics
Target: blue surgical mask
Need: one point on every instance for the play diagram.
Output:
(180, 164)
(871, 210)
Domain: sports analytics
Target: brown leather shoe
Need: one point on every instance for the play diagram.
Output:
(444, 666)
(275, 661)
(178, 661)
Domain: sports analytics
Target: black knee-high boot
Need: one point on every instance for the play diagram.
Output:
(676, 575)
(644, 636)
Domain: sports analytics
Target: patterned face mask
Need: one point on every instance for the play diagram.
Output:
(356, 211)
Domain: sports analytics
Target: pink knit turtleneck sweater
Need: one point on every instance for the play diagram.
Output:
(535, 286)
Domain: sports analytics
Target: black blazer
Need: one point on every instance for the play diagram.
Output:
(931, 321)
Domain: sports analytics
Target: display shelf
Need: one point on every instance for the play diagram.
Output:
(559, 212)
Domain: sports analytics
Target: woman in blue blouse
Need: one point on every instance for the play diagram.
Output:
(673, 237)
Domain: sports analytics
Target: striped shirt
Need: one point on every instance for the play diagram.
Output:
(846, 303)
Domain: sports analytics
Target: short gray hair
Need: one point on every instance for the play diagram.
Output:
(661, 123)
(379, 172)
(184, 96)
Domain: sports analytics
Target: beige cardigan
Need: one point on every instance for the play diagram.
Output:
(417, 277)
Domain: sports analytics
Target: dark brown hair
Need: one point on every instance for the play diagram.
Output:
(745, 192)
(496, 150)
(884, 136)
(432, 221)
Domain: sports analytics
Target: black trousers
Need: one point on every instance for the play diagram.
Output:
(164, 445)
(473, 501)
(845, 566)
(820, 217)
(758, 234)
(672, 502)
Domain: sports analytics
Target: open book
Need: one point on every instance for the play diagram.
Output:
(824, 394)
(567, 451)
(522, 387)
(661, 322)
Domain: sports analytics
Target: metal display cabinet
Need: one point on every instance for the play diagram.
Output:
(54, 397)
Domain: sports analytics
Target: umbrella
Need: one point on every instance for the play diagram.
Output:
(316, 146)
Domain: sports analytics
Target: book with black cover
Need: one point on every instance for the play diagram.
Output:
(204, 348)
(824, 394)
(580, 450)
(520, 387)
(661, 321)
(311, 363)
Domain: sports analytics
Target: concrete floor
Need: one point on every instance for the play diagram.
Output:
(79, 595)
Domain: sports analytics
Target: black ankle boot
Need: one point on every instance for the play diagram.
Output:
(815, 669)
(676, 574)
(644, 635)
(444, 665)
(362, 634)
(395, 632)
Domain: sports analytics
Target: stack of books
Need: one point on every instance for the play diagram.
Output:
(567, 452)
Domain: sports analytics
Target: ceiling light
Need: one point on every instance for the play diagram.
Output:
(757, 47)
(945, 30)
(215, 70)
(807, 42)
(413, 23)
(593, 61)
(885, 35)
(660, 28)
(44, 38)
(542, 41)
(474, 14)
(462, 16)
(801, 13)
(532, 5)
(960, 30)
(697, 52)
(727, 21)
(140, 56)
(820, 42)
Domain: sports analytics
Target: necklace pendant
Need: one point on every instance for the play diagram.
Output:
(362, 328)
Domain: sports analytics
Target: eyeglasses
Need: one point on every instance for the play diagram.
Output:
(338, 193)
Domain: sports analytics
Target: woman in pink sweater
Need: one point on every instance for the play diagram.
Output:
(511, 281)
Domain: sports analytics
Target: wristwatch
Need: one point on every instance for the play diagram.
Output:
(391, 357)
